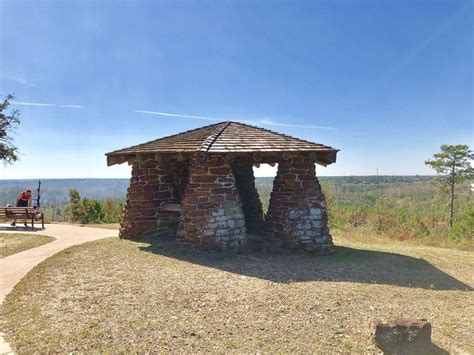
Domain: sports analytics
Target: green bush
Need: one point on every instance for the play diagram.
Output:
(463, 229)
(86, 211)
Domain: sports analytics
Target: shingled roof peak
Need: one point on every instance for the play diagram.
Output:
(225, 137)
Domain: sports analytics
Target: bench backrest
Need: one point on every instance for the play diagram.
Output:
(16, 211)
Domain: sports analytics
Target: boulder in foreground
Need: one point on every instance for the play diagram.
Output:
(403, 336)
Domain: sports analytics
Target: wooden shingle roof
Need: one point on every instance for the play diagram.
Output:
(225, 137)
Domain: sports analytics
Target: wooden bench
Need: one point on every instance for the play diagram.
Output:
(23, 214)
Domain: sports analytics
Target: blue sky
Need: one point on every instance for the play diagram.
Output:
(387, 82)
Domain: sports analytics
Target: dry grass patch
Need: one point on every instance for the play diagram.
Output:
(121, 296)
(368, 235)
(12, 243)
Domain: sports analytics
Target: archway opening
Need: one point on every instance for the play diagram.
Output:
(264, 177)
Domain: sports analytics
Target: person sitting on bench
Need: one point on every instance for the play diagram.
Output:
(23, 200)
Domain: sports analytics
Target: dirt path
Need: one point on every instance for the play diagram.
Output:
(14, 267)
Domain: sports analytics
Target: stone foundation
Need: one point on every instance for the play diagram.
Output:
(152, 184)
(211, 213)
(297, 216)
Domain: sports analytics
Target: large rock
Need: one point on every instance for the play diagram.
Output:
(403, 336)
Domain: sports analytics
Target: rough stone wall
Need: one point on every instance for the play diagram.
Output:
(297, 214)
(152, 184)
(211, 214)
(251, 204)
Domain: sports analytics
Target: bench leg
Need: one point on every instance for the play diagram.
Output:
(32, 222)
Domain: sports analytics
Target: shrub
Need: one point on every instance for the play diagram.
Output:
(463, 229)
(86, 210)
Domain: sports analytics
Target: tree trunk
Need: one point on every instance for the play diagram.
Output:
(432, 214)
(451, 217)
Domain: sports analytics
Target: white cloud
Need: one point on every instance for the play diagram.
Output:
(264, 122)
(44, 105)
(177, 115)
(273, 123)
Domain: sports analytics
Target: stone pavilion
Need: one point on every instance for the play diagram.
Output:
(199, 186)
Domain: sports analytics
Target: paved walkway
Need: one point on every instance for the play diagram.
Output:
(14, 267)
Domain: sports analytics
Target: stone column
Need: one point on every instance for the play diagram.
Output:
(152, 184)
(251, 204)
(297, 215)
(211, 214)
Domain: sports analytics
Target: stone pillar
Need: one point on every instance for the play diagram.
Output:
(297, 214)
(152, 184)
(251, 204)
(211, 214)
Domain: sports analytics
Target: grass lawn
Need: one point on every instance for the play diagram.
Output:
(12, 243)
(119, 296)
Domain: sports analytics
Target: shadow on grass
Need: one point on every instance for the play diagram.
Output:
(435, 350)
(346, 264)
(19, 228)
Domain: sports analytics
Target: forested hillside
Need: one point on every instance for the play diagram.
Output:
(401, 210)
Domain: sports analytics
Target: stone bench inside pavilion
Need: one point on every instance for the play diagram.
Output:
(199, 186)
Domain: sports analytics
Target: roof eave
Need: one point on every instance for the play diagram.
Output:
(120, 157)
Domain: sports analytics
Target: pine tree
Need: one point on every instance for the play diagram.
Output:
(453, 164)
